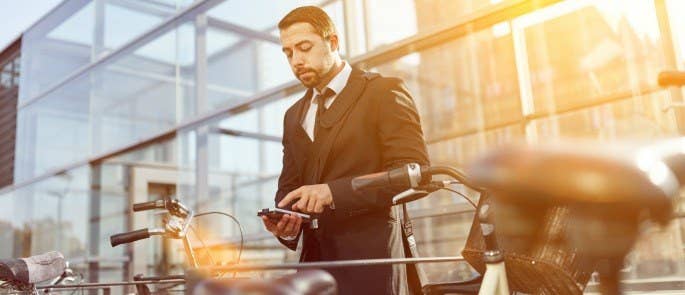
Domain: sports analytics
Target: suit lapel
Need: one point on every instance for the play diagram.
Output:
(334, 117)
(294, 123)
(300, 143)
(347, 97)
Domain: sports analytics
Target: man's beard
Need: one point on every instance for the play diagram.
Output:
(311, 80)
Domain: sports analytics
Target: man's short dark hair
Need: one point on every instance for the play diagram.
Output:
(315, 16)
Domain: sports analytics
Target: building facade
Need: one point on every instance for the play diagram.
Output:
(123, 101)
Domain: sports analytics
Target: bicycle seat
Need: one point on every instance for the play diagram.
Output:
(310, 282)
(307, 282)
(33, 269)
(579, 174)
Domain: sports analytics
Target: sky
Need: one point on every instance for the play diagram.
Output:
(17, 16)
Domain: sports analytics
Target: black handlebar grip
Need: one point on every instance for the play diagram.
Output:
(125, 238)
(671, 78)
(148, 205)
(370, 181)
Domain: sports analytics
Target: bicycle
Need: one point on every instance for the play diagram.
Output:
(21, 276)
(201, 281)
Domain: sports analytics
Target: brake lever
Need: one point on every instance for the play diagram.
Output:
(408, 196)
(419, 192)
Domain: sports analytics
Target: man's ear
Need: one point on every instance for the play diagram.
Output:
(335, 43)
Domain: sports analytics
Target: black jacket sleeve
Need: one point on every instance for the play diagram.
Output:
(402, 142)
(288, 181)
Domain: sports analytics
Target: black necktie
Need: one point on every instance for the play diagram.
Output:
(321, 109)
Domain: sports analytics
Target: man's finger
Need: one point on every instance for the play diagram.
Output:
(291, 196)
(319, 207)
(289, 227)
(298, 223)
(282, 223)
(310, 204)
(270, 225)
(301, 205)
(267, 222)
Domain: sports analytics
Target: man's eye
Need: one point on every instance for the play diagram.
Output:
(305, 47)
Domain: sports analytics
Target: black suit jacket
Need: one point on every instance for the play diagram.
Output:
(372, 126)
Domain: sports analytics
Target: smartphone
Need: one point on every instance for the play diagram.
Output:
(277, 213)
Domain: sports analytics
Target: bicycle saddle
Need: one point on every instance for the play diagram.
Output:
(307, 282)
(310, 282)
(583, 174)
(33, 269)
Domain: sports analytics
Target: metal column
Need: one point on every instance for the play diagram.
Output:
(201, 106)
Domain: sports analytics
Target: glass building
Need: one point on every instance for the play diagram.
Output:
(123, 101)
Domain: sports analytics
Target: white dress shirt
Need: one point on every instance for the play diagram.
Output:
(337, 84)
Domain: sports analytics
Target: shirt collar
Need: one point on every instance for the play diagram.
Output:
(339, 81)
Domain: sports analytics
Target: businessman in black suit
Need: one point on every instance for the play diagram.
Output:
(349, 123)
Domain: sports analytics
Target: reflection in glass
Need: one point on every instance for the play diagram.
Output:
(55, 47)
(581, 51)
(53, 132)
(647, 117)
(388, 21)
(676, 13)
(158, 76)
(79, 32)
(464, 85)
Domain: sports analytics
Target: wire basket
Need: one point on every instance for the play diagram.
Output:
(545, 265)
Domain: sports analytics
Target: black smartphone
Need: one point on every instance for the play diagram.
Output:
(277, 213)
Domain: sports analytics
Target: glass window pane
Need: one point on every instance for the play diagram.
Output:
(79, 32)
(676, 15)
(123, 23)
(53, 132)
(11, 226)
(645, 117)
(607, 48)
(56, 46)
(388, 21)
(463, 85)
(159, 91)
(261, 15)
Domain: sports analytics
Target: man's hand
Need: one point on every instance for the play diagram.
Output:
(312, 198)
(287, 226)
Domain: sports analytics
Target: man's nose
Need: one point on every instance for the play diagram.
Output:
(297, 61)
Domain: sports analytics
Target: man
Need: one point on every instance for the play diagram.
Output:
(349, 123)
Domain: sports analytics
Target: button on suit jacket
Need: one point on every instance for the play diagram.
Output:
(372, 126)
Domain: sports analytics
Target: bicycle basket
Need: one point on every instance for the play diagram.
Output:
(547, 266)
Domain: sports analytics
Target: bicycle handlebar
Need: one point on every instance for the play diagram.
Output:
(409, 176)
(132, 236)
(158, 204)
(672, 78)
